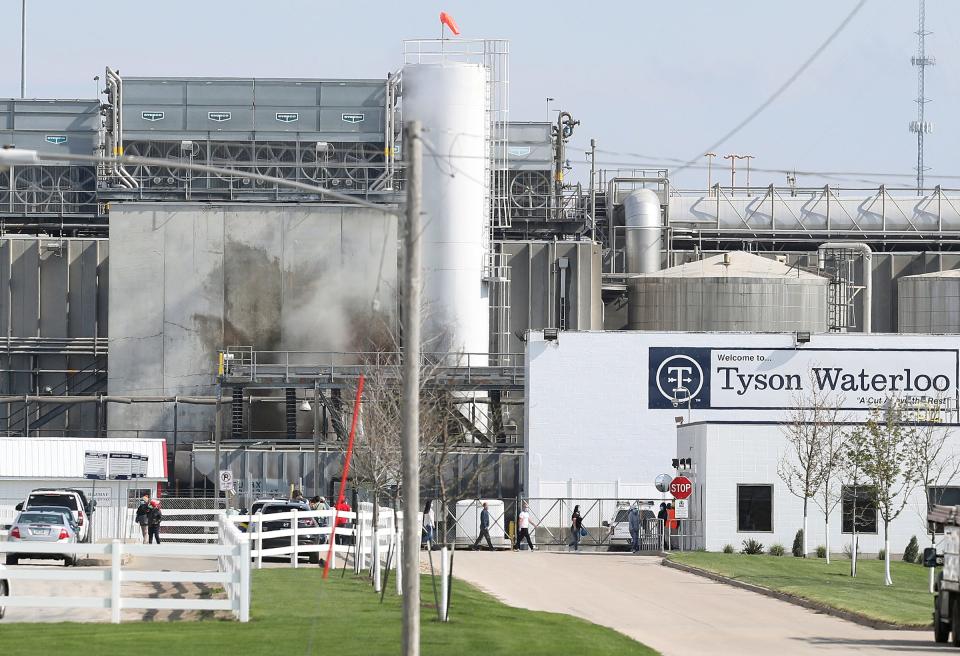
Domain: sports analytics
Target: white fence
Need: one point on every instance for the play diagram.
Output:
(232, 556)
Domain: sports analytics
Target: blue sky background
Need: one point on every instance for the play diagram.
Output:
(661, 79)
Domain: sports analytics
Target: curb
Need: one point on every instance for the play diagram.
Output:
(850, 616)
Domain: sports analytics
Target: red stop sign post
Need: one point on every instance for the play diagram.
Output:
(681, 487)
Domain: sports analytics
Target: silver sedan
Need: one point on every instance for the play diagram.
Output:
(41, 527)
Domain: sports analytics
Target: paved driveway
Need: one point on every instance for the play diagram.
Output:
(672, 611)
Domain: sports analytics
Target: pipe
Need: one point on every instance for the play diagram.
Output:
(641, 210)
(611, 202)
(867, 255)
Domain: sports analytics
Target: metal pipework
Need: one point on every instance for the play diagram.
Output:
(867, 256)
(641, 210)
(611, 202)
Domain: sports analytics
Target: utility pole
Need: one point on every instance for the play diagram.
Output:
(549, 100)
(748, 158)
(593, 190)
(733, 170)
(23, 49)
(710, 157)
(413, 149)
(216, 445)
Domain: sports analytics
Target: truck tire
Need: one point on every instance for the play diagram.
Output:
(941, 629)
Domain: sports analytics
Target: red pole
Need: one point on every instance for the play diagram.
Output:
(344, 477)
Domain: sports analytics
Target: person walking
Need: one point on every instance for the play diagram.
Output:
(664, 525)
(428, 524)
(633, 519)
(141, 517)
(523, 528)
(154, 517)
(672, 525)
(576, 526)
(484, 528)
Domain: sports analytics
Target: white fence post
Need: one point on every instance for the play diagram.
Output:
(244, 580)
(375, 565)
(444, 575)
(295, 555)
(116, 562)
(259, 517)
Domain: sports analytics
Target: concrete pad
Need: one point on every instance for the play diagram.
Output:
(672, 611)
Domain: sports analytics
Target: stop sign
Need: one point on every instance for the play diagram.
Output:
(681, 487)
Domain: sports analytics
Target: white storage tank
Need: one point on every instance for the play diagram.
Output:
(734, 291)
(929, 303)
(449, 99)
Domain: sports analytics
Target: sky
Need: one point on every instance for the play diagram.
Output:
(654, 80)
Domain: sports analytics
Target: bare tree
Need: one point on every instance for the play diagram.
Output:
(801, 466)
(889, 466)
(833, 438)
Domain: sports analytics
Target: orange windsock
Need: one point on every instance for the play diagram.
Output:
(447, 20)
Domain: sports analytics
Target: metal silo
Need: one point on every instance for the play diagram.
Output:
(729, 292)
(449, 99)
(929, 303)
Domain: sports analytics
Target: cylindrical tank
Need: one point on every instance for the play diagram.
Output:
(449, 99)
(729, 292)
(929, 303)
(641, 216)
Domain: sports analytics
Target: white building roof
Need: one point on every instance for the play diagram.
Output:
(62, 457)
(739, 265)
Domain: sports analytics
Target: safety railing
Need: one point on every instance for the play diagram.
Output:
(244, 363)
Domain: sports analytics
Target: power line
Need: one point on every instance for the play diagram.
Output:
(783, 87)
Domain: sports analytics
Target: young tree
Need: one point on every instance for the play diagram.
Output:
(833, 444)
(801, 465)
(852, 467)
(888, 465)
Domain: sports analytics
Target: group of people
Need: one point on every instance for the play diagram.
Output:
(148, 517)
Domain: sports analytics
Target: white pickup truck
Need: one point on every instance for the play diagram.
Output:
(946, 605)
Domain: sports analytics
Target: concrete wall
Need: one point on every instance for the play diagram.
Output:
(595, 413)
(191, 279)
(730, 454)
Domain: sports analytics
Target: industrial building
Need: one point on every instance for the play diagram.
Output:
(230, 316)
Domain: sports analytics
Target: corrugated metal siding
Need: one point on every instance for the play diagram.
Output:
(52, 458)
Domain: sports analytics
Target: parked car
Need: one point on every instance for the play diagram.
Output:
(32, 526)
(277, 507)
(619, 527)
(65, 512)
(81, 508)
(258, 505)
(4, 592)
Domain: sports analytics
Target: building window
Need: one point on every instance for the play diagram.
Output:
(754, 508)
(939, 495)
(866, 505)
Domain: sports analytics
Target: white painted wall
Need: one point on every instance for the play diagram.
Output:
(589, 423)
(730, 454)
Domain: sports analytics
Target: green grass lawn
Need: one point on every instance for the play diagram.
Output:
(907, 602)
(295, 612)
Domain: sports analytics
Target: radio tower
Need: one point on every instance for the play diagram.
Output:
(921, 126)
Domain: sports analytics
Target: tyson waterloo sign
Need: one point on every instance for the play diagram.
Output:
(776, 378)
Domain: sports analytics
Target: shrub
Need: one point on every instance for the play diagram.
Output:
(798, 544)
(821, 551)
(882, 554)
(752, 547)
(848, 550)
(728, 548)
(912, 553)
(776, 550)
